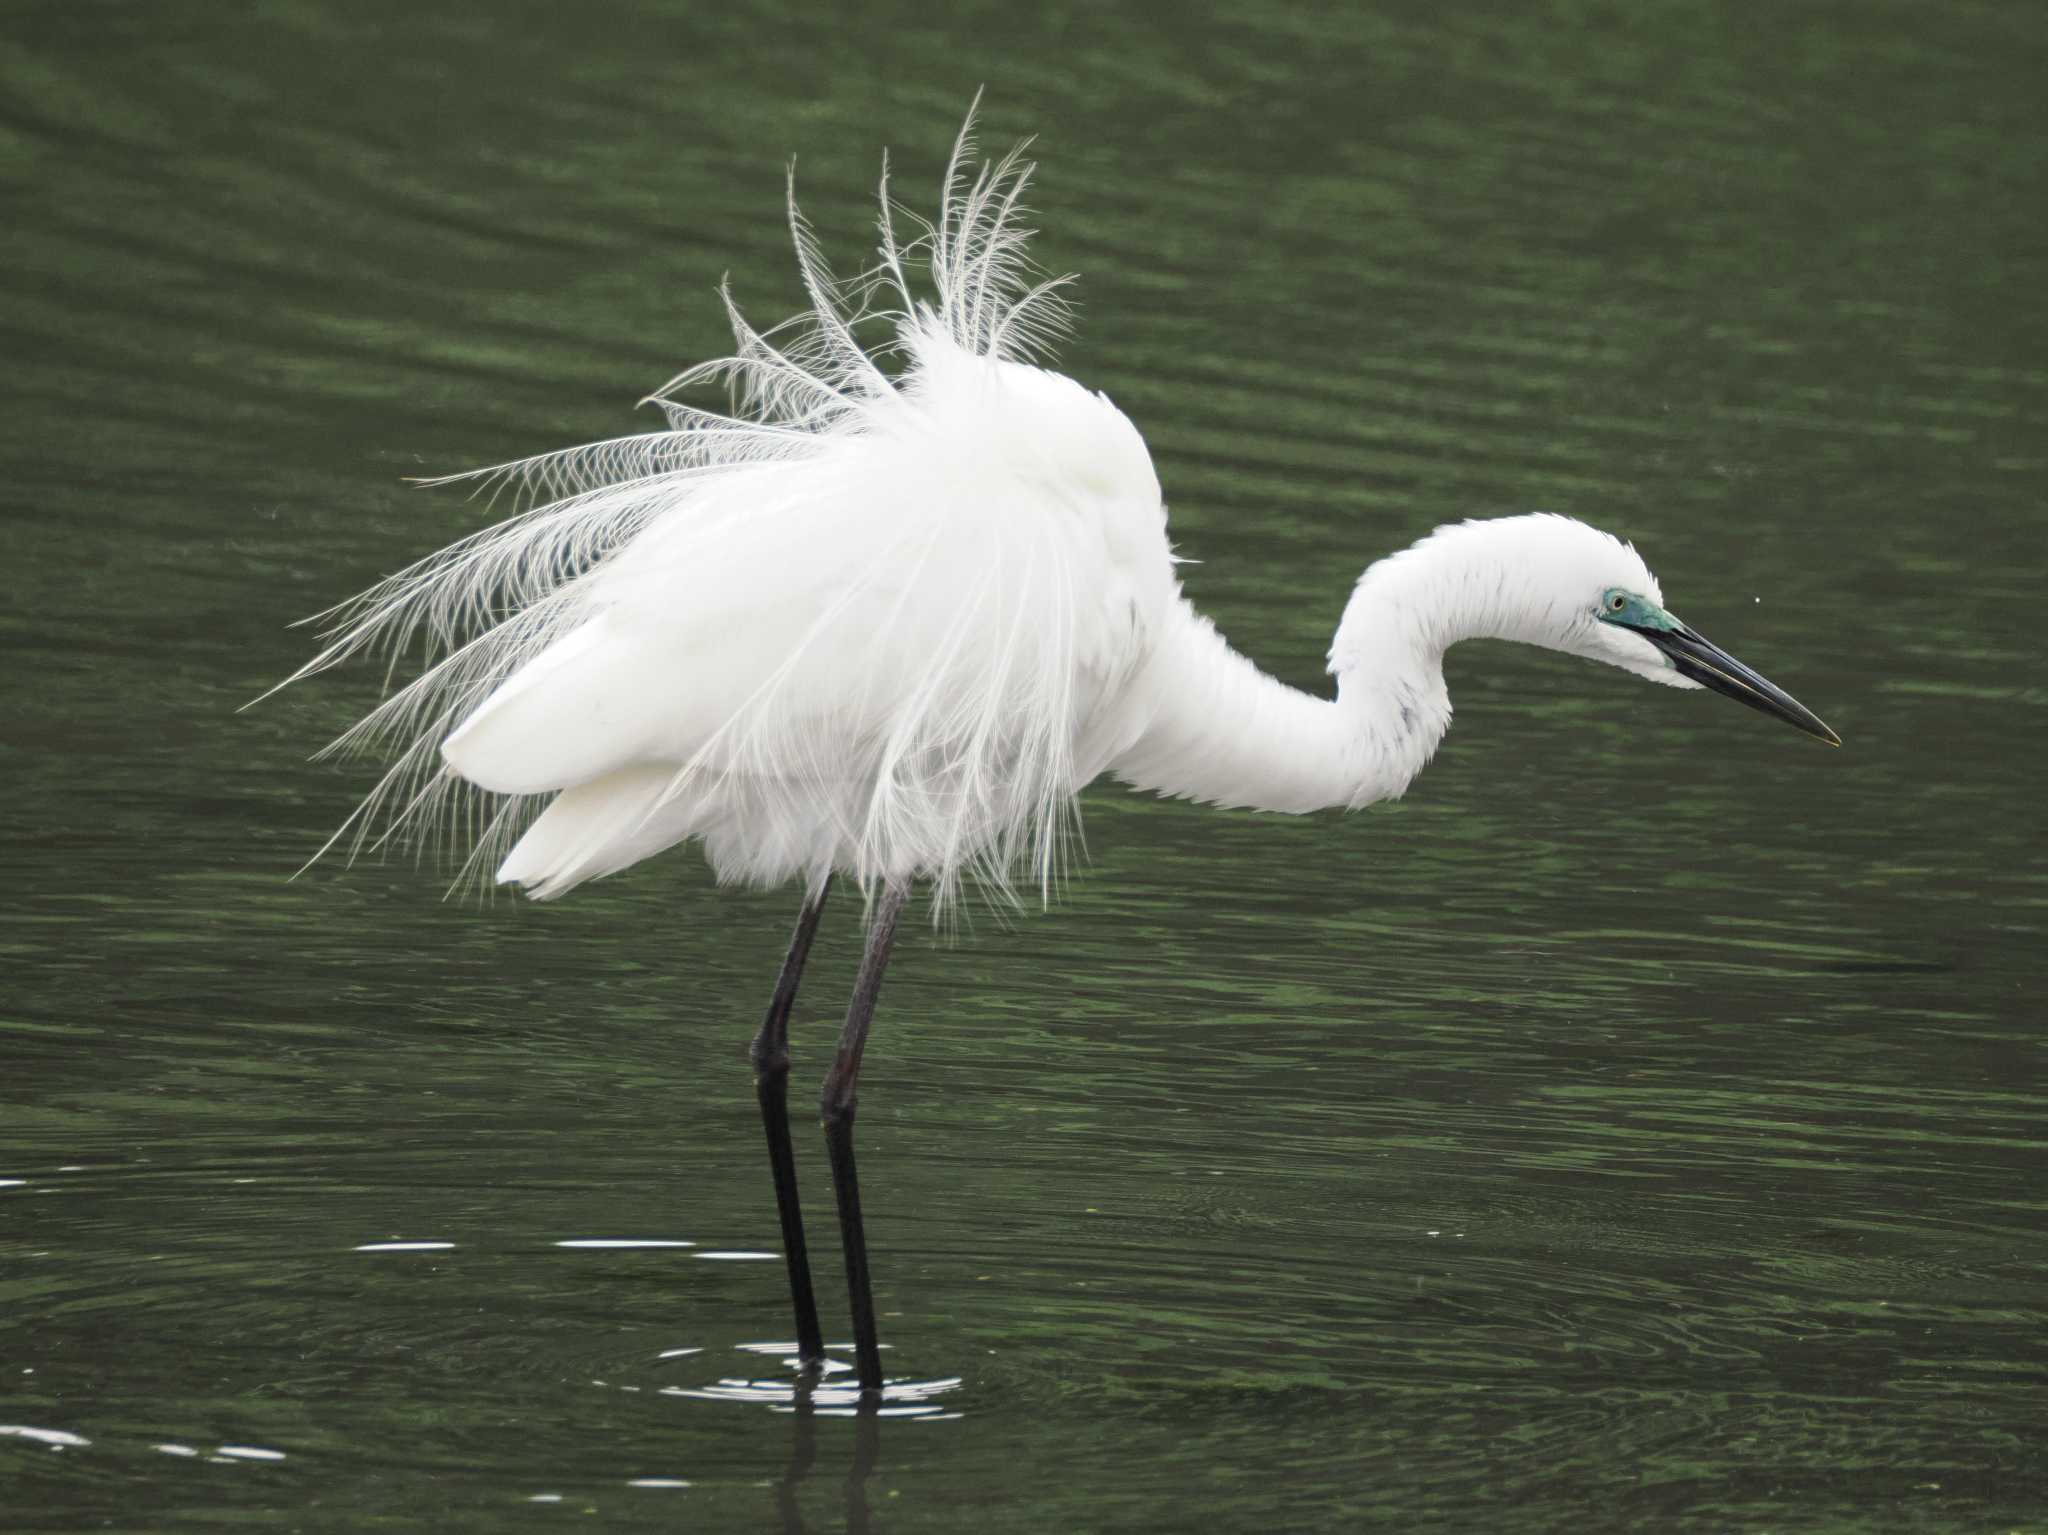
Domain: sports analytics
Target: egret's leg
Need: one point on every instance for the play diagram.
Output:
(836, 1105)
(770, 1055)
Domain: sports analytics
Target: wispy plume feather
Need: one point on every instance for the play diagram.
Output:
(971, 773)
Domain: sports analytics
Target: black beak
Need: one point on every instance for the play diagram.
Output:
(1709, 665)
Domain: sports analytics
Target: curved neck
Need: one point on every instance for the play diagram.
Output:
(1460, 583)
(1222, 731)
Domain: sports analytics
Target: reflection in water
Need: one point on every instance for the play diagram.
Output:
(827, 1391)
(803, 1455)
(403, 1247)
(55, 1438)
(867, 1449)
(622, 1244)
(804, 1396)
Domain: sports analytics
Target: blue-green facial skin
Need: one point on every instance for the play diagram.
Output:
(1633, 612)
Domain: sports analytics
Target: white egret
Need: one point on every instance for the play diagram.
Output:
(886, 623)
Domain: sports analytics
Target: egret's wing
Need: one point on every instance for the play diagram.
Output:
(893, 650)
(489, 608)
(863, 618)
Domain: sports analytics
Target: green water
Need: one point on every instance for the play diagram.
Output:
(1640, 1127)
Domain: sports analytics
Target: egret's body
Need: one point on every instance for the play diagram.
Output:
(887, 625)
(897, 655)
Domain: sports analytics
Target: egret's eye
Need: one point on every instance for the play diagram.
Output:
(1616, 602)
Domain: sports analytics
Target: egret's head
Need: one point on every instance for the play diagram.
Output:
(1614, 612)
(1544, 580)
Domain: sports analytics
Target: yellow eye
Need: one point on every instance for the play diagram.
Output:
(1616, 602)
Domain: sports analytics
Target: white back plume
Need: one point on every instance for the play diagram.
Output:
(832, 510)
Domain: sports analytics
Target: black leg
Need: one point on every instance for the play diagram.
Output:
(770, 1055)
(836, 1106)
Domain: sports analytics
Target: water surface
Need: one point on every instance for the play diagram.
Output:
(1637, 1127)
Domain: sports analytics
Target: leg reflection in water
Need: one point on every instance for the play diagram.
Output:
(803, 1457)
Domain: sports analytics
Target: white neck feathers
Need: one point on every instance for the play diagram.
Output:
(1225, 733)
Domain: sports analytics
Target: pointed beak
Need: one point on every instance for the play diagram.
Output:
(1709, 665)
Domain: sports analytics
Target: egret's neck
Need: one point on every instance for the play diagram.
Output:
(1462, 583)
(1225, 732)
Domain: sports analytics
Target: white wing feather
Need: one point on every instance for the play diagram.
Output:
(860, 622)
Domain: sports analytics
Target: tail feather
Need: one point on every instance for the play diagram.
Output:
(595, 829)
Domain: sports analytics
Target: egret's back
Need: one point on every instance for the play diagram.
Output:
(869, 623)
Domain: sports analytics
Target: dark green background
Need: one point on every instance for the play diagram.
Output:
(1639, 1127)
